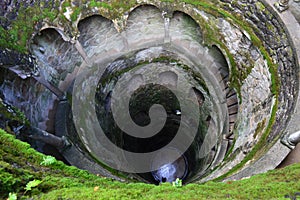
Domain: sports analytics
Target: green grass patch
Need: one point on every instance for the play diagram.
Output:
(19, 166)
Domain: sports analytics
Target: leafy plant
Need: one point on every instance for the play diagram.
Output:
(177, 183)
(12, 196)
(48, 160)
(32, 184)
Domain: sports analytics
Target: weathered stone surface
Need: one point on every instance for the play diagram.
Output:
(21, 64)
(260, 17)
(22, 93)
(63, 48)
(55, 57)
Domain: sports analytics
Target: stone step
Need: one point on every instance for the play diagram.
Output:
(233, 109)
(231, 100)
(232, 118)
(230, 93)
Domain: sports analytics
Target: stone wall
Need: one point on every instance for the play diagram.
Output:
(262, 67)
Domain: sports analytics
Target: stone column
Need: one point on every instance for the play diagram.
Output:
(59, 142)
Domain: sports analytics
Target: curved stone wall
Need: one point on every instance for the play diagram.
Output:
(236, 54)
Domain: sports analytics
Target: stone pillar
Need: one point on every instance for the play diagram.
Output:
(59, 142)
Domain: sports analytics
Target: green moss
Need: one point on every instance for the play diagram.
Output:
(124, 5)
(105, 166)
(47, 13)
(260, 127)
(168, 1)
(258, 187)
(262, 145)
(19, 164)
(65, 4)
(3, 37)
(75, 14)
(9, 113)
(228, 153)
(260, 6)
(98, 4)
(21, 29)
(259, 148)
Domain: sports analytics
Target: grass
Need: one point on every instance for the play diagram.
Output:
(20, 164)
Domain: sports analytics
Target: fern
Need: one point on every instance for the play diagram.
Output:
(48, 160)
(32, 184)
(12, 196)
(177, 183)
